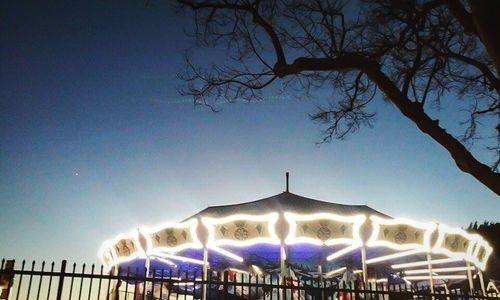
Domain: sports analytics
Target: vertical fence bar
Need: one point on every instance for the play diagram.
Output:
(60, 285)
(185, 285)
(109, 284)
(270, 289)
(224, 285)
(144, 282)
(153, 284)
(250, 285)
(178, 287)
(161, 283)
(20, 280)
(50, 279)
(100, 281)
(126, 282)
(136, 284)
(194, 286)
(40, 282)
(91, 277)
(72, 281)
(31, 280)
(209, 278)
(81, 283)
(169, 291)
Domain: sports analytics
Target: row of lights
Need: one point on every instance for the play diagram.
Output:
(111, 256)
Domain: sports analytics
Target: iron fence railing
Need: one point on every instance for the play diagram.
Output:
(45, 281)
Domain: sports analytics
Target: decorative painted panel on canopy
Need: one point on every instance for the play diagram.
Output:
(172, 237)
(401, 234)
(482, 252)
(457, 243)
(120, 249)
(242, 230)
(324, 229)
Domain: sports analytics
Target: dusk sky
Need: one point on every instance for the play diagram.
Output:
(96, 141)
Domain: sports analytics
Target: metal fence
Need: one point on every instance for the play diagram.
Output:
(46, 281)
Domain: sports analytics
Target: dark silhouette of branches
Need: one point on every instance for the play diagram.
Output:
(413, 51)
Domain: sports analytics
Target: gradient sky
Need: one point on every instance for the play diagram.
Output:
(95, 141)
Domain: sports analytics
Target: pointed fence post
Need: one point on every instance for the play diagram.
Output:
(224, 285)
(61, 280)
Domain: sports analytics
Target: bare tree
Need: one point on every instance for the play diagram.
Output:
(413, 51)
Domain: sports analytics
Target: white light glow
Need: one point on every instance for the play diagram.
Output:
(227, 253)
(440, 270)
(425, 263)
(257, 270)
(393, 256)
(184, 283)
(471, 247)
(163, 260)
(336, 271)
(374, 240)
(292, 219)
(442, 277)
(342, 252)
(180, 258)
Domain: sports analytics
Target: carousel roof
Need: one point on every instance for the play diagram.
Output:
(286, 202)
(306, 231)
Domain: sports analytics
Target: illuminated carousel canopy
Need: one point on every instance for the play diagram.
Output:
(287, 231)
(286, 202)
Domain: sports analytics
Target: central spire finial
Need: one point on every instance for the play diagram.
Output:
(287, 184)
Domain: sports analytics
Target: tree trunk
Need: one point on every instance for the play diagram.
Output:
(486, 17)
(415, 112)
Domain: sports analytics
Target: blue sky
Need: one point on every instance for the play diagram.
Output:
(95, 141)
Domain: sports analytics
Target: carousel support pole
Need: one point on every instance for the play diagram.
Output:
(481, 281)
(364, 266)
(447, 290)
(205, 272)
(469, 277)
(321, 282)
(282, 270)
(147, 266)
(431, 275)
(282, 262)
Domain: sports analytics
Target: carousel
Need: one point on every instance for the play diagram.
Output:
(290, 235)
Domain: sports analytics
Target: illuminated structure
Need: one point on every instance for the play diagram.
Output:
(289, 232)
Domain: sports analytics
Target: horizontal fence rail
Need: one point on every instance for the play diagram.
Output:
(45, 281)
